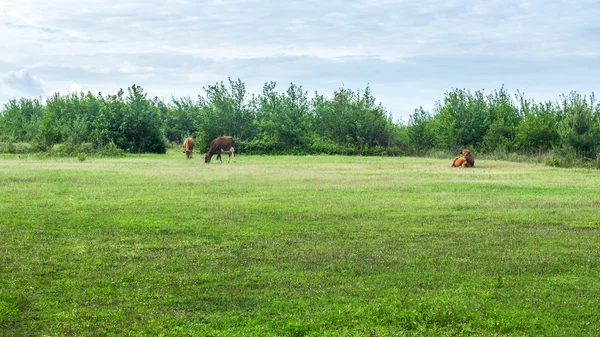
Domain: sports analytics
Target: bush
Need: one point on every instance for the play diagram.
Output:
(66, 149)
(324, 147)
(349, 151)
(264, 145)
(111, 150)
(16, 148)
(567, 159)
(87, 148)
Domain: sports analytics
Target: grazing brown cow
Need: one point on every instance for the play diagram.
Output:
(188, 147)
(218, 145)
(230, 153)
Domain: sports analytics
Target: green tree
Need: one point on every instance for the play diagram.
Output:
(503, 118)
(20, 119)
(353, 120)
(538, 131)
(461, 120)
(181, 119)
(579, 128)
(106, 127)
(225, 110)
(284, 120)
(141, 124)
(419, 131)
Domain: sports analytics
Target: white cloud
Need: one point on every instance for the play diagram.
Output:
(75, 88)
(20, 83)
(176, 47)
(389, 30)
(128, 68)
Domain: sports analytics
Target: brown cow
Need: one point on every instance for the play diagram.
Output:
(469, 158)
(188, 147)
(218, 145)
(466, 160)
(459, 161)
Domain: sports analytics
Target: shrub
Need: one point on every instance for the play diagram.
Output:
(111, 150)
(87, 148)
(16, 148)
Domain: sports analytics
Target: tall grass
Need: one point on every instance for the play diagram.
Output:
(296, 246)
(555, 158)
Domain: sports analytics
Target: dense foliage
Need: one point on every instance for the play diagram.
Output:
(132, 123)
(495, 123)
(294, 122)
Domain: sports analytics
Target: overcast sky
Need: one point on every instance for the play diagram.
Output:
(410, 52)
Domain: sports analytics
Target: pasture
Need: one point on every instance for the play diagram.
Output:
(153, 245)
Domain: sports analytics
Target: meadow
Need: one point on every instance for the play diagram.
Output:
(157, 245)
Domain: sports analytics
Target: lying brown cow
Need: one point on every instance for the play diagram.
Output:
(469, 158)
(218, 145)
(466, 160)
(188, 147)
(459, 161)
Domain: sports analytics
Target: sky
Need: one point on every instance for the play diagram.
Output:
(409, 52)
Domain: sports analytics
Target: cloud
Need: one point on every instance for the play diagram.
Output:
(412, 46)
(387, 30)
(75, 88)
(128, 68)
(21, 83)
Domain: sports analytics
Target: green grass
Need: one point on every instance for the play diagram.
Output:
(156, 245)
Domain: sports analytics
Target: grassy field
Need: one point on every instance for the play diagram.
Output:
(155, 245)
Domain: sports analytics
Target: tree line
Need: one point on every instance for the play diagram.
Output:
(568, 128)
(288, 122)
(293, 122)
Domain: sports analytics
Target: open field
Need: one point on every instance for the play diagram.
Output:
(156, 245)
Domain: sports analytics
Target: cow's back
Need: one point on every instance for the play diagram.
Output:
(188, 144)
(224, 143)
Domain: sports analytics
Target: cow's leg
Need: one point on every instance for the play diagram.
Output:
(219, 159)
